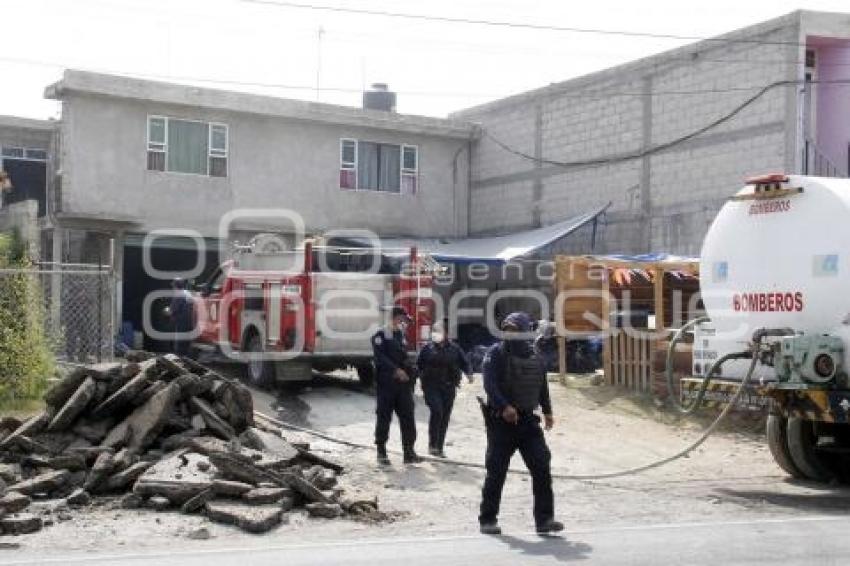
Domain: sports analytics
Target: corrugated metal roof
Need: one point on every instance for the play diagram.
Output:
(495, 249)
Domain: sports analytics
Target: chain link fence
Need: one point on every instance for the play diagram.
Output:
(77, 307)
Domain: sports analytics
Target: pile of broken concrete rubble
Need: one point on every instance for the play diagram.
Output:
(164, 433)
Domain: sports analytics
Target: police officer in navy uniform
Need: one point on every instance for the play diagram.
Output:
(515, 383)
(440, 364)
(394, 387)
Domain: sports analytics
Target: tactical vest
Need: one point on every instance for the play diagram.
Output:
(523, 382)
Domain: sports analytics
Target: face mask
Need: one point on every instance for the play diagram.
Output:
(437, 336)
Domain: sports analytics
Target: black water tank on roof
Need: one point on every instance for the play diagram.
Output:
(379, 97)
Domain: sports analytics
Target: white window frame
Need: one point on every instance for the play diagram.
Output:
(160, 147)
(163, 145)
(405, 172)
(25, 153)
(219, 153)
(349, 165)
(215, 152)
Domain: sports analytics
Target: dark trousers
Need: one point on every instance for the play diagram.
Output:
(503, 440)
(181, 347)
(440, 398)
(398, 398)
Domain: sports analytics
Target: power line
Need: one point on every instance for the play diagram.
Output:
(581, 95)
(628, 156)
(695, 57)
(233, 82)
(509, 24)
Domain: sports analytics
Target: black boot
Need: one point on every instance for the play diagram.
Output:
(549, 527)
(383, 459)
(410, 456)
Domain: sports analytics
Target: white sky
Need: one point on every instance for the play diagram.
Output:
(436, 67)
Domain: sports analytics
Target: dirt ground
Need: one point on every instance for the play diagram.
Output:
(731, 477)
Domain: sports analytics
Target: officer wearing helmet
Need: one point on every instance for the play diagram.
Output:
(394, 387)
(515, 383)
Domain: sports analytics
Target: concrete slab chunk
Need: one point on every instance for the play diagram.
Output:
(75, 405)
(10, 473)
(21, 524)
(231, 488)
(29, 428)
(147, 393)
(141, 428)
(324, 510)
(253, 519)
(176, 477)
(158, 503)
(59, 394)
(9, 424)
(214, 422)
(266, 495)
(266, 460)
(242, 468)
(93, 430)
(271, 443)
(44, 483)
(14, 501)
(100, 470)
(131, 501)
(123, 396)
(127, 372)
(198, 502)
(125, 477)
(71, 462)
(79, 497)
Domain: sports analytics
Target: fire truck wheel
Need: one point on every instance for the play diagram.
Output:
(260, 372)
(366, 374)
(777, 442)
(815, 465)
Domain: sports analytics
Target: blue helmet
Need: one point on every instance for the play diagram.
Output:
(520, 321)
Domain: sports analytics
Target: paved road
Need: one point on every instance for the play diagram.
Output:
(805, 541)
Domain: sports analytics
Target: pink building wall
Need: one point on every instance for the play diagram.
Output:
(833, 100)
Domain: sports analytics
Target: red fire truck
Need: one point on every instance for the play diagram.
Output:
(286, 313)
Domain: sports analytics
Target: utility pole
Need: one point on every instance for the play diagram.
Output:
(319, 35)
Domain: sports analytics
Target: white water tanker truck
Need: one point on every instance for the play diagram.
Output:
(775, 282)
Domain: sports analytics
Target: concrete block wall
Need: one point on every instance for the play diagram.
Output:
(663, 202)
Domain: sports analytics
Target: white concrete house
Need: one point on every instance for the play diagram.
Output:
(138, 157)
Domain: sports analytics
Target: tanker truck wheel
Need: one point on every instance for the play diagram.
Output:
(814, 464)
(777, 442)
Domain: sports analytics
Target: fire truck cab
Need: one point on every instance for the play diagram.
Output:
(285, 313)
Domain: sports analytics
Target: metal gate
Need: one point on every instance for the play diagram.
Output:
(77, 306)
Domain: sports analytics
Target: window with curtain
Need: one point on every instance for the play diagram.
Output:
(375, 166)
(347, 164)
(186, 146)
